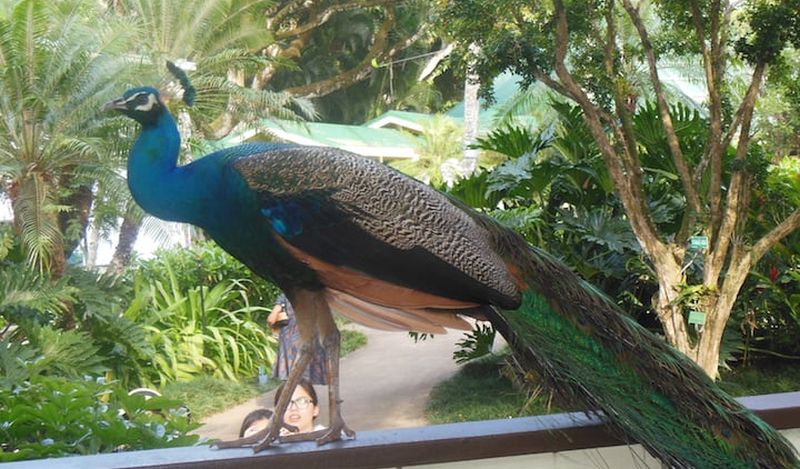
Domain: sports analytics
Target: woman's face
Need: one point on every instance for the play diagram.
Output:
(301, 411)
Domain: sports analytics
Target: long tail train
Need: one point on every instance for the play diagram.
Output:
(587, 350)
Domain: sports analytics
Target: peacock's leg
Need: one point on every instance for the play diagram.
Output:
(267, 436)
(307, 307)
(330, 342)
(304, 304)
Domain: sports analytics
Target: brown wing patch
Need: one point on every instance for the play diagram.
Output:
(516, 276)
(370, 289)
(392, 319)
(382, 305)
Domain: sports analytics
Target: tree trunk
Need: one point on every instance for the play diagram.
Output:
(73, 223)
(669, 312)
(128, 233)
(471, 120)
(92, 244)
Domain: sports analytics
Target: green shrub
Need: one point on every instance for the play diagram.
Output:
(191, 331)
(351, 341)
(51, 417)
(206, 264)
(208, 315)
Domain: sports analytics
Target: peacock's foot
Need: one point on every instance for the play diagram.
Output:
(262, 439)
(326, 435)
(272, 435)
(335, 432)
(308, 436)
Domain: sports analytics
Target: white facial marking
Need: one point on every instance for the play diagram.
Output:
(151, 101)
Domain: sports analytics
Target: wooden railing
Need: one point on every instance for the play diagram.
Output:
(411, 446)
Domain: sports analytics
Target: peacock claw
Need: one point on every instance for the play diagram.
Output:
(271, 435)
(267, 442)
(335, 432)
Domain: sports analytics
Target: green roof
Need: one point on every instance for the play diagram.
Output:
(411, 120)
(375, 138)
(367, 141)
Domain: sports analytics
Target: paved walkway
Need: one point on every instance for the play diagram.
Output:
(384, 384)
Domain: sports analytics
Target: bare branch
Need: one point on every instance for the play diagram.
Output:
(666, 119)
(629, 193)
(323, 16)
(786, 227)
(287, 9)
(714, 150)
(736, 206)
(716, 46)
(623, 107)
(749, 100)
(543, 77)
(697, 21)
(360, 71)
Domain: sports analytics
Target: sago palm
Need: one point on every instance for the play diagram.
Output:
(55, 71)
(440, 141)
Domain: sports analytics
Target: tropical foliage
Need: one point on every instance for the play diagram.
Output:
(193, 333)
(589, 53)
(439, 149)
(52, 416)
(555, 190)
(198, 314)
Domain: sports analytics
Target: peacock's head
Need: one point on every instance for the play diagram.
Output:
(142, 104)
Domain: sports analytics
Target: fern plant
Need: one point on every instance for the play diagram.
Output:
(47, 351)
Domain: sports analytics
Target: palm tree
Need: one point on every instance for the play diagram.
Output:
(218, 42)
(55, 71)
(440, 142)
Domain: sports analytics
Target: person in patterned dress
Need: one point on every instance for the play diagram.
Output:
(282, 318)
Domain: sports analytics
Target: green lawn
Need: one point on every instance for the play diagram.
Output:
(762, 379)
(480, 391)
(206, 395)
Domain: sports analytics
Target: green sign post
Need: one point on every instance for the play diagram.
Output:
(697, 318)
(698, 242)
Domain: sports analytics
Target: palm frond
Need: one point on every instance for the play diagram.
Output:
(57, 69)
(22, 288)
(64, 353)
(39, 231)
(534, 101)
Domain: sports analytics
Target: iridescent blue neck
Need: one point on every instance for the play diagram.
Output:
(156, 184)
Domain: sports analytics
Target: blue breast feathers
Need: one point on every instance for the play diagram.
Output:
(286, 217)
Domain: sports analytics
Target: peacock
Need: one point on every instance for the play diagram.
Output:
(342, 233)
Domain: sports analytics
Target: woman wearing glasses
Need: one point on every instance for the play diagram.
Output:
(303, 408)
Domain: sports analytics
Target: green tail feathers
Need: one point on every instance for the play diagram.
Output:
(593, 354)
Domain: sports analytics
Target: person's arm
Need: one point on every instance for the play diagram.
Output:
(273, 318)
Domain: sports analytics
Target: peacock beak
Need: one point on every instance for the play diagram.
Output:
(117, 105)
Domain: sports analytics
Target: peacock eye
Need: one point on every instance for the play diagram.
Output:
(143, 102)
